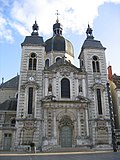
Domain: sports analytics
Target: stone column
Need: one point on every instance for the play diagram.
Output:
(54, 85)
(87, 126)
(46, 85)
(77, 87)
(79, 126)
(45, 123)
(54, 123)
(84, 87)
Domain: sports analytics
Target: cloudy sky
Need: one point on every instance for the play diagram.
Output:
(18, 16)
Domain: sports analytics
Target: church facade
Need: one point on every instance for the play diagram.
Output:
(60, 105)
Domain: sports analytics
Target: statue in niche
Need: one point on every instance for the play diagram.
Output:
(50, 88)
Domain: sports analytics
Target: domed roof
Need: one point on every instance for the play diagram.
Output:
(59, 43)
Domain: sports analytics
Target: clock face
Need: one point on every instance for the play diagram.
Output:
(31, 78)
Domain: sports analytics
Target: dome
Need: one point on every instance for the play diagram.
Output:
(59, 44)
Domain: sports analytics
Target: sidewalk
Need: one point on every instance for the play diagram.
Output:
(51, 153)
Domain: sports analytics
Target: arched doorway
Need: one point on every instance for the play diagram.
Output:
(66, 131)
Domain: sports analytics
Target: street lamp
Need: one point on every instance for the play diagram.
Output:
(111, 118)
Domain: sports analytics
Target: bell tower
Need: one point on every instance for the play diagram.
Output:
(30, 90)
(93, 61)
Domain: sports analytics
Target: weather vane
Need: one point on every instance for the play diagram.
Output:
(57, 16)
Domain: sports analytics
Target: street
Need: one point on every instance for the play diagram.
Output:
(63, 156)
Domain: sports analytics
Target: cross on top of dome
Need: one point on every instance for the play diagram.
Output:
(57, 27)
(57, 16)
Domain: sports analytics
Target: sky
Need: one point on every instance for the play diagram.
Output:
(18, 16)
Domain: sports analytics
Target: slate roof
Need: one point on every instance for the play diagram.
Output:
(9, 105)
(56, 43)
(12, 83)
(59, 43)
(91, 43)
(33, 40)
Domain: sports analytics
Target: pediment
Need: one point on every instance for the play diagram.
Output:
(30, 83)
(63, 66)
(66, 70)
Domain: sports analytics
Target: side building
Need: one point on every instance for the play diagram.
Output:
(114, 81)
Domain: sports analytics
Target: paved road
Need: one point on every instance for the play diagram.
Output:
(63, 156)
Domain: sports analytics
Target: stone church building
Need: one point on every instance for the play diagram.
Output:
(52, 103)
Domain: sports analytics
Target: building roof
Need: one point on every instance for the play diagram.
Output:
(60, 44)
(34, 39)
(57, 42)
(12, 83)
(90, 42)
(9, 105)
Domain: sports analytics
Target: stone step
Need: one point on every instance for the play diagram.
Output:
(68, 149)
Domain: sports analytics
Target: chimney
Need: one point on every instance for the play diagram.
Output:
(110, 72)
(2, 80)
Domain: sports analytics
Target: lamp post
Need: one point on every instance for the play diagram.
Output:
(111, 118)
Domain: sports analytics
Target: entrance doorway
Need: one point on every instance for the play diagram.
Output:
(66, 136)
(7, 141)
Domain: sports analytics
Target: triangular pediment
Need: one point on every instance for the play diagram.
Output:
(63, 66)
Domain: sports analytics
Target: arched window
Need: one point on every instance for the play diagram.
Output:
(47, 63)
(99, 101)
(95, 64)
(30, 100)
(57, 59)
(32, 61)
(65, 88)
